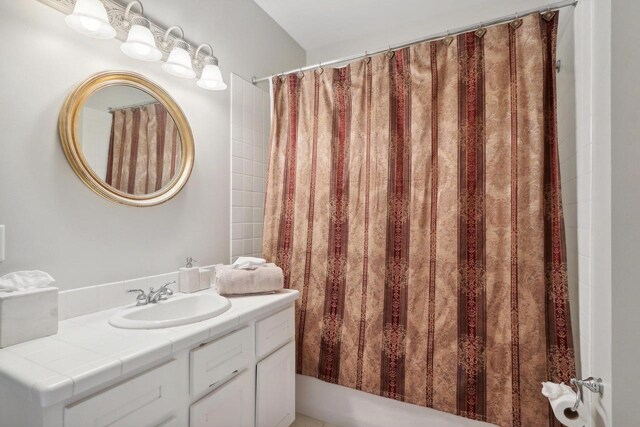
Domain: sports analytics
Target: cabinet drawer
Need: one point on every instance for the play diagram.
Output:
(230, 405)
(274, 331)
(213, 362)
(145, 400)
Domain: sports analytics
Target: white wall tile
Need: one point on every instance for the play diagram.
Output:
(247, 199)
(236, 132)
(247, 183)
(111, 295)
(247, 167)
(236, 231)
(247, 104)
(247, 215)
(236, 148)
(236, 165)
(81, 301)
(237, 214)
(247, 135)
(236, 198)
(237, 181)
(247, 151)
(249, 139)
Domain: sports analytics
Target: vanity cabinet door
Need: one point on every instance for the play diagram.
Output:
(275, 389)
(230, 405)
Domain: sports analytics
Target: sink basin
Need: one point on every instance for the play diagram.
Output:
(176, 311)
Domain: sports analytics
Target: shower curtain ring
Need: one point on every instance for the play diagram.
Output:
(390, 53)
(300, 73)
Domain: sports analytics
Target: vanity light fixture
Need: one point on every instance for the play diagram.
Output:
(140, 42)
(89, 17)
(211, 78)
(179, 62)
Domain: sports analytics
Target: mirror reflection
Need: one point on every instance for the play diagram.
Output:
(129, 139)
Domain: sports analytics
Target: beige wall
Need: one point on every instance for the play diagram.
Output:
(55, 223)
(625, 205)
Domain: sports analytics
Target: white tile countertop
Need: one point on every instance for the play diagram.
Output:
(87, 351)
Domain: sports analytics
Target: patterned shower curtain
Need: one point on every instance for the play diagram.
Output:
(413, 199)
(144, 149)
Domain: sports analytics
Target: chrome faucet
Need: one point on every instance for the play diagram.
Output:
(161, 294)
(154, 296)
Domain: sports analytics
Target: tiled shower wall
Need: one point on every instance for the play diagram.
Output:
(250, 124)
(574, 137)
(567, 136)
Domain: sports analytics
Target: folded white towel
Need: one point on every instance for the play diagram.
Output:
(232, 281)
(248, 263)
(20, 280)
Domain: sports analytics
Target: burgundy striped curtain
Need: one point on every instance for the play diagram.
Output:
(414, 201)
(144, 149)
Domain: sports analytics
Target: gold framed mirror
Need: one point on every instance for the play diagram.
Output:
(126, 139)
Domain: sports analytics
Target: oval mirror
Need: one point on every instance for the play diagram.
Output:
(127, 139)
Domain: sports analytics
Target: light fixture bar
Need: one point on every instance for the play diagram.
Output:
(114, 9)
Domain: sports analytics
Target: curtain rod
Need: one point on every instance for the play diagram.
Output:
(484, 24)
(126, 107)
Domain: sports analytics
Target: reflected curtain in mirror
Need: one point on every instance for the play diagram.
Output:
(144, 149)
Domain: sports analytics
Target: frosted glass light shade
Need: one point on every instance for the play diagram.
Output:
(179, 62)
(89, 17)
(140, 42)
(211, 78)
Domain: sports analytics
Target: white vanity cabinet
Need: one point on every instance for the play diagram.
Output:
(238, 372)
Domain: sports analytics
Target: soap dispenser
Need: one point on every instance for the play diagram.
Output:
(189, 277)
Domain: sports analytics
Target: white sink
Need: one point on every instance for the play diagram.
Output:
(176, 311)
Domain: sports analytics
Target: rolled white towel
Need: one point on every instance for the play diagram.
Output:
(231, 281)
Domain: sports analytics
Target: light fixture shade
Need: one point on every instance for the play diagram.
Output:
(140, 42)
(89, 17)
(211, 78)
(179, 61)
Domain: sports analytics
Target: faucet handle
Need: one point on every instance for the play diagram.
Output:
(166, 288)
(142, 298)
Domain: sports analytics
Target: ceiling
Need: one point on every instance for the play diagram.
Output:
(316, 24)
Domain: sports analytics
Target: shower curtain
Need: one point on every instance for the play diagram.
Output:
(144, 149)
(413, 199)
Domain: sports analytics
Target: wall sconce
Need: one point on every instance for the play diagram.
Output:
(138, 34)
(89, 17)
(140, 42)
(211, 78)
(179, 62)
